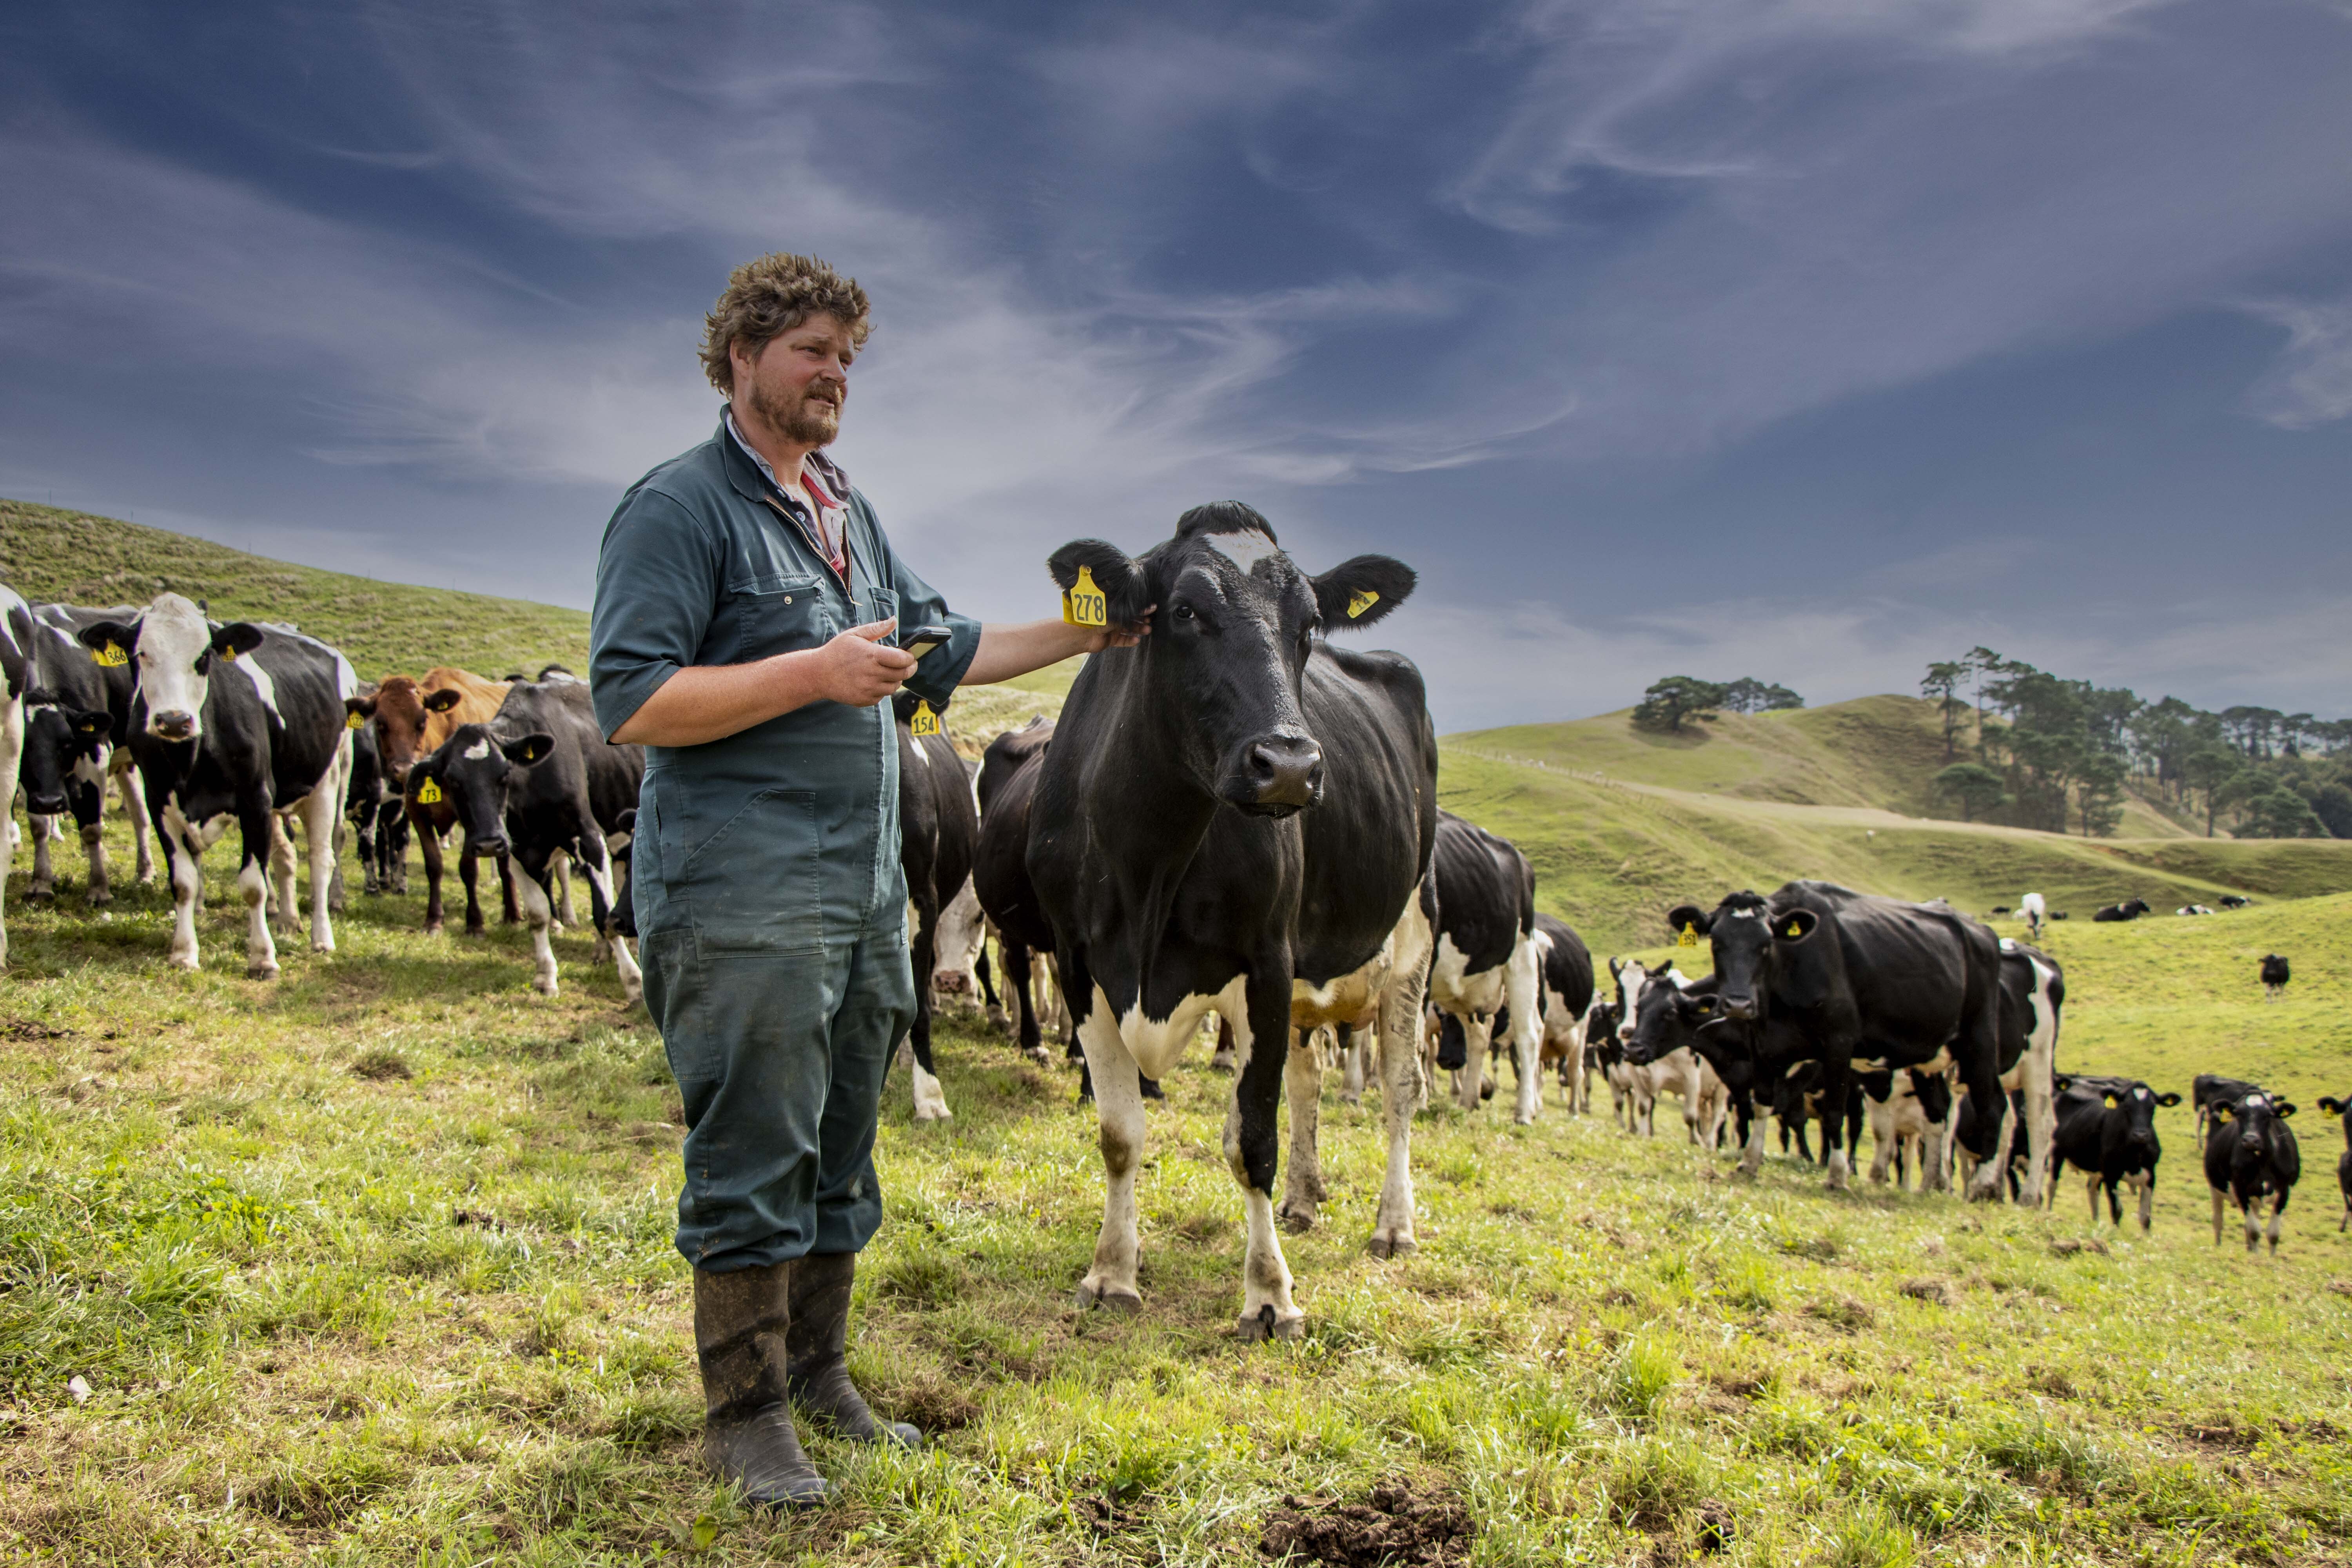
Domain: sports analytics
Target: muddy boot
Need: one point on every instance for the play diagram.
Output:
(819, 1334)
(742, 1324)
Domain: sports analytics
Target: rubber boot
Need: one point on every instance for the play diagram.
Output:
(742, 1322)
(818, 1337)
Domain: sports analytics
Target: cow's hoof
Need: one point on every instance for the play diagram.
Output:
(258, 970)
(322, 947)
(545, 985)
(97, 897)
(1040, 1054)
(1979, 1191)
(1296, 1214)
(432, 927)
(1266, 1323)
(1110, 1298)
(933, 1113)
(40, 896)
(1392, 1244)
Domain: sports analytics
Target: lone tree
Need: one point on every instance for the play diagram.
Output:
(1668, 702)
(1748, 695)
(1971, 786)
(1942, 683)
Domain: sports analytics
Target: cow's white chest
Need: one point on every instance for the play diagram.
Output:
(1455, 988)
(1158, 1043)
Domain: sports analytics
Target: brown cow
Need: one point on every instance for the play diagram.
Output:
(411, 719)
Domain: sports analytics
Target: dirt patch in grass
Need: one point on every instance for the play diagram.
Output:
(1934, 1291)
(382, 1063)
(1393, 1526)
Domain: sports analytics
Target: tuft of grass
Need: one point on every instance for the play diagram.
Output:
(381, 1062)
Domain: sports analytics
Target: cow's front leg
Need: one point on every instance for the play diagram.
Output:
(597, 859)
(2144, 1186)
(1261, 1051)
(142, 822)
(1523, 987)
(1470, 1083)
(1402, 1087)
(1302, 1088)
(469, 872)
(2217, 1215)
(509, 912)
(1751, 1158)
(93, 848)
(322, 821)
(2278, 1213)
(184, 853)
(259, 834)
(531, 886)
(44, 884)
(428, 845)
(1353, 1047)
(1119, 1112)
(283, 903)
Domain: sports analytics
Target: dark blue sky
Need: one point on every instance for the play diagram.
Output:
(1806, 339)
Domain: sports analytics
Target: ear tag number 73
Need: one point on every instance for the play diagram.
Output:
(1084, 605)
(429, 792)
(924, 722)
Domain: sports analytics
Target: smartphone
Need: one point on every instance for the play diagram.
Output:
(920, 640)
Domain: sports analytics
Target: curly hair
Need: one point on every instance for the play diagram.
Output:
(769, 297)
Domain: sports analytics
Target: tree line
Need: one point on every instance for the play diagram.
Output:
(2062, 755)
(1676, 698)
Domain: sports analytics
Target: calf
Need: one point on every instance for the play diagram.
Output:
(1652, 1064)
(413, 718)
(2025, 1172)
(2130, 909)
(1907, 1111)
(2340, 1107)
(2276, 974)
(1487, 956)
(2036, 911)
(1236, 816)
(2253, 1156)
(374, 810)
(939, 825)
(76, 717)
(2107, 1127)
(538, 780)
(241, 723)
(2209, 1093)
(1565, 975)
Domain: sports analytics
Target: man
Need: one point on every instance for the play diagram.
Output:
(746, 611)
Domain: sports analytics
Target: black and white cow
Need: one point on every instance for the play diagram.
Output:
(243, 723)
(2035, 913)
(1650, 1069)
(1487, 956)
(2253, 1156)
(2276, 974)
(76, 717)
(2106, 1128)
(1908, 1112)
(372, 806)
(1007, 785)
(2194, 909)
(1236, 816)
(1564, 971)
(939, 827)
(2340, 1107)
(2021, 1153)
(2032, 1002)
(2233, 901)
(2129, 910)
(16, 681)
(2208, 1092)
(1917, 984)
(538, 780)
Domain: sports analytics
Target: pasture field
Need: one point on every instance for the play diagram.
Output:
(372, 1266)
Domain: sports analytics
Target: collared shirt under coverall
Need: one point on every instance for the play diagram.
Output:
(770, 902)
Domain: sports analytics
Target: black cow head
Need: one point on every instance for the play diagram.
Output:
(60, 739)
(1752, 943)
(1666, 1019)
(2130, 1125)
(2258, 1117)
(1229, 644)
(472, 770)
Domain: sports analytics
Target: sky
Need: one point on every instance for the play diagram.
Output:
(1805, 340)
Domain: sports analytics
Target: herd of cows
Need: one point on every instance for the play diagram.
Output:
(1233, 835)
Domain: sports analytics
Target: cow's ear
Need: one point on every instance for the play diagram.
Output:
(1795, 925)
(441, 701)
(1359, 591)
(1119, 577)
(2109, 1100)
(1688, 917)
(91, 720)
(2282, 1109)
(237, 637)
(2168, 1099)
(525, 749)
(2061, 1082)
(2224, 1112)
(1616, 967)
(360, 707)
(2330, 1105)
(626, 821)
(100, 636)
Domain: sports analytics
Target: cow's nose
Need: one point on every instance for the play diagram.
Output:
(1285, 771)
(1742, 1008)
(45, 804)
(490, 843)
(173, 724)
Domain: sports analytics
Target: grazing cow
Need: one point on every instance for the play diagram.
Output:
(1235, 815)
(240, 722)
(2129, 910)
(1486, 956)
(16, 681)
(1009, 770)
(2276, 974)
(1565, 973)
(413, 718)
(2192, 910)
(1918, 984)
(2034, 911)
(2106, 1127)
(77, 716)
(2209, 1092)
(1655, 1065)
(2253, 1156)
(939, 825)
(2340, 1107)
(537, 781)
(2057, 914)
(2232, 902)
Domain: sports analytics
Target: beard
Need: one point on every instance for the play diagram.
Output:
(809, 416)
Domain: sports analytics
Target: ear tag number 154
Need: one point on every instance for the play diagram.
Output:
(924, 722)
(1084, 605)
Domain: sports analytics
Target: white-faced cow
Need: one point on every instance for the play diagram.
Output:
(244, 723)
(1236, 816)
(939, 834)
(1486, 957)
(2251, 1155)
(2106, 1128)
(16, 679)
(2340, 1107)
(2129, 910)
(1863, 980)
(538, 780)
(2036, 911)
(2276, 974)
(1652, 1066)
(77, 716)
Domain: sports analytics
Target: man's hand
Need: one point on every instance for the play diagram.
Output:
(1097, 638)
(857, 669)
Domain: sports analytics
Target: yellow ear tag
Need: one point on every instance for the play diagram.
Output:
(924, 722)
(229, 653)
(429, 792)
(353, 722)
(110, 655)
(1360, 601)
(1084, 605)
(1689, 937)
(1796, 928)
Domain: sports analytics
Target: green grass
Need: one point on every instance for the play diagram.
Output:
(372, 1265)
(46, 554)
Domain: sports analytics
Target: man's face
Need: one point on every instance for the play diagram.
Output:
(798, 381)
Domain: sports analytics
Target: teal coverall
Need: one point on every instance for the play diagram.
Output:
(769, 903)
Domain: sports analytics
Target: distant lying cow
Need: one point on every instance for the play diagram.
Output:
(2253, 1156)
(2106, 1127)
(2129, 910)
(2232, 902)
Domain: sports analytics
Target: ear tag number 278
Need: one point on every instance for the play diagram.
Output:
(1084, 605)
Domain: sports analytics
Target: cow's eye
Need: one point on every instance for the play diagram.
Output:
(1184, 612)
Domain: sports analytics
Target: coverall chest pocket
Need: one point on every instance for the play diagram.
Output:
(779, 611)
(753, 885)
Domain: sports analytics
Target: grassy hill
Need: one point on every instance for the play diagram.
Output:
(48, 553)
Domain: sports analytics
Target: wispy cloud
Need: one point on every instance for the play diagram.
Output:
(2311, 382)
